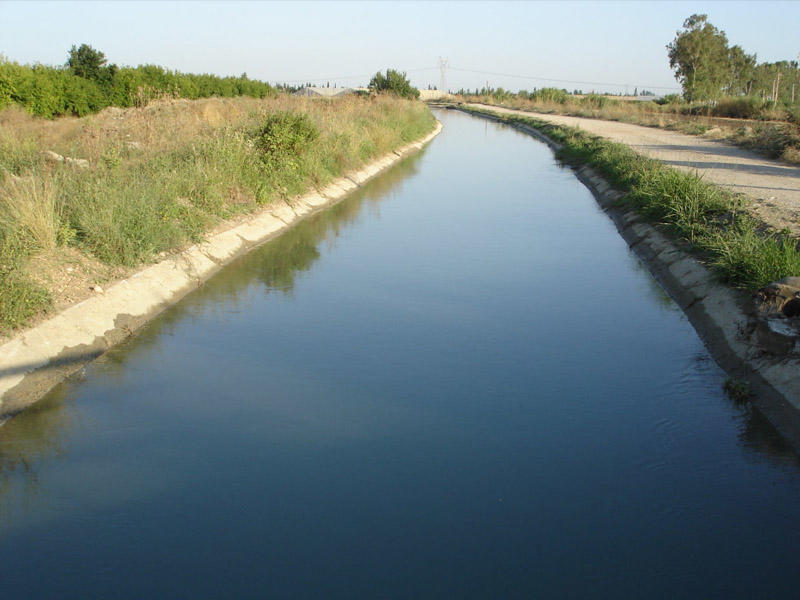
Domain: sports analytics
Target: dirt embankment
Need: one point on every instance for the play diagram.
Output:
(773, 187)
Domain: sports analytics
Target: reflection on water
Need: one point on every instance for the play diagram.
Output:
(37, 435)
(457, 383)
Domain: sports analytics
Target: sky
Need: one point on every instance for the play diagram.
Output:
(602, 46)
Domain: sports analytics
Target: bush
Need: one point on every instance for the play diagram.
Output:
(669, 99)
(596, 101)
(746, 107)
(394, 82)
(284, 137)
(549, 95)
(89, 86)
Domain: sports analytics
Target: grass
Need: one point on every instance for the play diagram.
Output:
(770, 135)
(162, 176)
(712, 221)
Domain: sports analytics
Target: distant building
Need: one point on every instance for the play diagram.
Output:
(425, 95)
(323, 92)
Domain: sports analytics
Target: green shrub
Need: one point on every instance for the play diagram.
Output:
(284, 136)
(549, 95)
(90, 86)
(394, 82)
(670, 99)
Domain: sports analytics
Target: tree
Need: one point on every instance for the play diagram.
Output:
(699, 57)
(740, 71)
(394, 82)
(85, 61)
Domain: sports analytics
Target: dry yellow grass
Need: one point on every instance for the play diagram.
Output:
(161, 176)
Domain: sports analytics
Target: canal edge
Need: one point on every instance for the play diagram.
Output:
(37, 359)
(722, 316)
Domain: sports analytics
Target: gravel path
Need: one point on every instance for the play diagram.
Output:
(774, 187)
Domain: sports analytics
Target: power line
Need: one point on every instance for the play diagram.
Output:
(657, 87)
(444, 64)
(310, 79)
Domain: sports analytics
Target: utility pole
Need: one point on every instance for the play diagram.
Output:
(443, 63)
(798, 75)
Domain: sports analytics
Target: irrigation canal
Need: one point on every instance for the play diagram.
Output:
(458, 383)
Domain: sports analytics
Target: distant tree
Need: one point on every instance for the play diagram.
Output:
(394, 82)
(740, 71)
(699, 57)
(84, 61)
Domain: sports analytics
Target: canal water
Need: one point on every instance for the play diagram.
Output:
(458, 383)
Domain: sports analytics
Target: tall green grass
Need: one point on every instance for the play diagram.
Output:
(193, 164)
(712, 221)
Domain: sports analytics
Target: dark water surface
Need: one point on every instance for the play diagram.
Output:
(459, 383)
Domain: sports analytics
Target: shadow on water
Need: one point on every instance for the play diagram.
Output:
(40, 433)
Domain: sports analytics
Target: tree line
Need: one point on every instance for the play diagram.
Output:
(708, 68)
(87, 83)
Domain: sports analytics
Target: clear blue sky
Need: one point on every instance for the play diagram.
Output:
(616, 42)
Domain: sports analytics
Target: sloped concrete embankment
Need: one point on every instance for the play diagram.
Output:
(35, 360)
(725, 318)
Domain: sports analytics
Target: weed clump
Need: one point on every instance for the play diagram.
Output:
(284, 137)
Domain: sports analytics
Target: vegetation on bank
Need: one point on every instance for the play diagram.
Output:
(773, 139)
(394, 82)
(712, 221)
(87, 83)
(161, 176)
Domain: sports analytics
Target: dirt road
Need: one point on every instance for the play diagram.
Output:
(774, 187)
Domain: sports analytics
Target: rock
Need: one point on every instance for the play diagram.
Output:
(54, 157)
(51, 156)
(781, 298)
(112, 111)
(133, 145)
(96, 289)
(81, 163)
(792, 308)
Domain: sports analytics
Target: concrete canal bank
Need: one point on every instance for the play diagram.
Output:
(723, 317)
(36, 359)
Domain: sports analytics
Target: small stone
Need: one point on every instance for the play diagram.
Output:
(97, 289)
(52, 156)
(81, 163)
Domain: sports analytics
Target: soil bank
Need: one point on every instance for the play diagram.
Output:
(36, 359)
